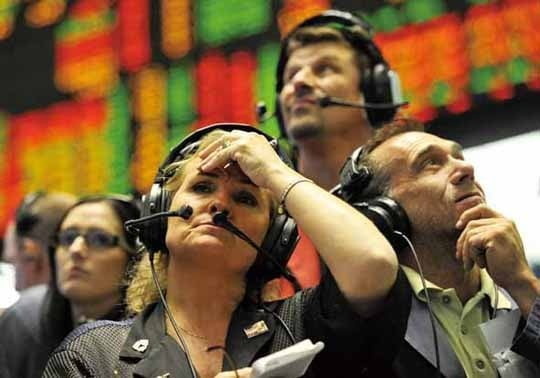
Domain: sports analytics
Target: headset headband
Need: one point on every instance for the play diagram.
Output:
(191, 142)
(379, 84)
(340, 21)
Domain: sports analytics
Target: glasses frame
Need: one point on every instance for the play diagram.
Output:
(117, 241)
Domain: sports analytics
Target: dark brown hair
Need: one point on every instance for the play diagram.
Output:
(380, 180)
(309, 35)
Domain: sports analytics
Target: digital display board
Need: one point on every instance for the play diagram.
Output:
(94, 92)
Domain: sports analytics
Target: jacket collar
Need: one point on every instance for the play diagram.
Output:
(243, 341)
(155, 353)
(419, 336)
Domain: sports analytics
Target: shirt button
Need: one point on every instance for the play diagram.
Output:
(446, 299)
(464, 330)
(480, 364)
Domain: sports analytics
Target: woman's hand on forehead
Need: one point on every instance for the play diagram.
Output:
(251, 151)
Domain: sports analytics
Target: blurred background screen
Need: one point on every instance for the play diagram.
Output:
(94, 92)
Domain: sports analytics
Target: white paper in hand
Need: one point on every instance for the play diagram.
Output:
(291, 362)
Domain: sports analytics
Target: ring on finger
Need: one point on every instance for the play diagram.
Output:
(226, 143)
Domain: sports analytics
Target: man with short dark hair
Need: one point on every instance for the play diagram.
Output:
(29, 236)
(332, 55)
(476, 284)
(329, 56)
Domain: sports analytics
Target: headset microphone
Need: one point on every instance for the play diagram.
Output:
(335, 101)
(262, 112)
(221, 219)
(184, 212)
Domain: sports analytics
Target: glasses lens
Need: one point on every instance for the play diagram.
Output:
(67, 237)
(100, 239)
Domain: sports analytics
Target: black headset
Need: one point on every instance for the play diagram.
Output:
(379, 84)
(25, 218)
(360, 189)
(281, 237)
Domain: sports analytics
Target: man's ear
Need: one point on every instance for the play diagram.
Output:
(31, 250)
(34, 255)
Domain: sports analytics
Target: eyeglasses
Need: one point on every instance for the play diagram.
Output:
(94, 238)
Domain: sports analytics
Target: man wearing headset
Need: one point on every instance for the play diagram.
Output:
(330, 55)
(475, 311)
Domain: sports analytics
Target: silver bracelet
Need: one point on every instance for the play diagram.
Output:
(286, 191)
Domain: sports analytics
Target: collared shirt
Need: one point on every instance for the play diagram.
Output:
(461, 322)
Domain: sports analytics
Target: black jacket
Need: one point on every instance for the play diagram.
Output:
(33, 327)
(25, 352)
(353, 346)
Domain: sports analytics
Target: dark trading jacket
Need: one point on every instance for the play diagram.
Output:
(33, 327)
(354, 347)
(21, 346)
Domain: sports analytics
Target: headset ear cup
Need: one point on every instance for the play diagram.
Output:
(288, 239)
(280, 241)
(400, 220)
(152, 234)
(354, 179)
(377, 87)
(162, 233)
(388, 216)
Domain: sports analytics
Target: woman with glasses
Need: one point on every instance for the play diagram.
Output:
(91, 255)
(211, 320)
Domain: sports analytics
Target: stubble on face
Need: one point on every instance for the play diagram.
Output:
(429, 199)
(305, 131)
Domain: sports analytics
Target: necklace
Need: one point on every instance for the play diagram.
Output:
(189, 333)
(174, 324)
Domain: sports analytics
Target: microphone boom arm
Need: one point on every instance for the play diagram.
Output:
(334, 101)
(184, 212)
(220, 219)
